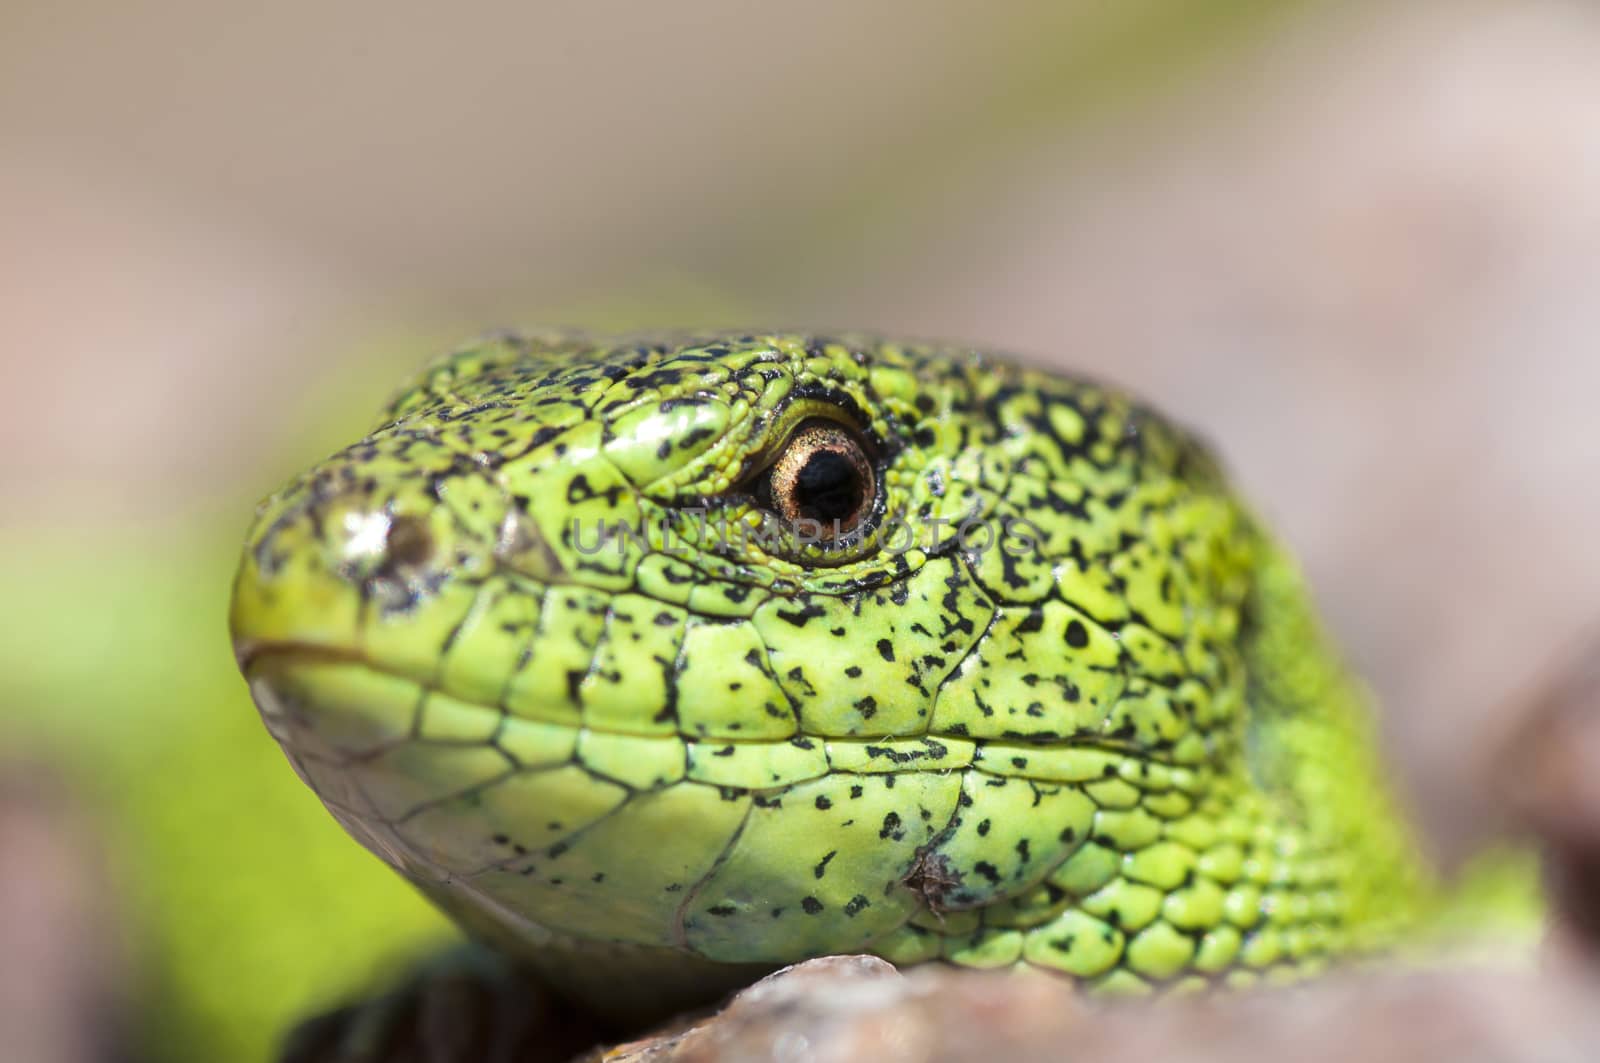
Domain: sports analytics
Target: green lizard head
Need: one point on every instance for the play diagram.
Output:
(741, 649)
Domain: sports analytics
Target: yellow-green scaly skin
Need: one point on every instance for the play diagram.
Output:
(1112, 744)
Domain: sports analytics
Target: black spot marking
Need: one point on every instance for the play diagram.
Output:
(1077, 634)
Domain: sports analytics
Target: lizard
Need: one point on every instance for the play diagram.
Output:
(661, 661)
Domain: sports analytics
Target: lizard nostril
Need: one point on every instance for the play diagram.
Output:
(408, 544)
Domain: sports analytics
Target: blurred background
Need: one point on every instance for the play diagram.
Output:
(1354, 244)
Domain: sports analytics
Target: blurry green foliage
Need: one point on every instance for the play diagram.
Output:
(246, 904)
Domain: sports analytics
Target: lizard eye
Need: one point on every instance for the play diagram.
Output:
(822, 475)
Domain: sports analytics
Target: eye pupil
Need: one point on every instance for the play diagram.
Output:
(828, 487)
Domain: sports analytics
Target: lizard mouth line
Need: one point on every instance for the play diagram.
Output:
(248, 651)
(740, 762)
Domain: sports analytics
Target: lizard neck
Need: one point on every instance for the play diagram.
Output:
(1312, 747)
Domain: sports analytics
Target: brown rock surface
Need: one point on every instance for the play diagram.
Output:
(1464, 1016)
